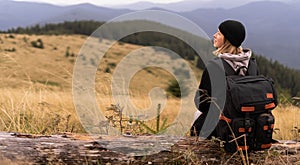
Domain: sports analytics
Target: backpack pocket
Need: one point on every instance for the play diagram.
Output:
(222, 130)
(242, 134)
(264, 131)
(243, 129)
(251, 94)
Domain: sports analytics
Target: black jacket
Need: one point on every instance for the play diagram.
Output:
(212, 76)
(211, 95)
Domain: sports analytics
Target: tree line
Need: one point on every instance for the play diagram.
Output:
(287, 80)
(67, 27)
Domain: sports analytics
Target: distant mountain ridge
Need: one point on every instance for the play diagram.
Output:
(272, 27)
(21, 14)
(189, 5)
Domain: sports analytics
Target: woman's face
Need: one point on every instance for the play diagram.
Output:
(218, 39)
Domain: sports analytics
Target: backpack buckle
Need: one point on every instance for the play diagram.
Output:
(247, 123)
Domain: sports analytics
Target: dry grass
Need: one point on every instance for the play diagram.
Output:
(36, 94)
(37, 112)
(35, 86)
(287, 124)
(49, 112)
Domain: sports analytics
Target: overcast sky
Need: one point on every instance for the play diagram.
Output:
(99, 2)
(121, 2)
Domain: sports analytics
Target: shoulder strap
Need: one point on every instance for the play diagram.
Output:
(228, 69)
(252, 68)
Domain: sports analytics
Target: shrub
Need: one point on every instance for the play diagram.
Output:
(10, 50)
(38, 44)
(175, 90)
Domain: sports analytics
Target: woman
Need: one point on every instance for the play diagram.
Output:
(227, 41)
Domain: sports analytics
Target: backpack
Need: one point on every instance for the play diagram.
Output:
(247, 122)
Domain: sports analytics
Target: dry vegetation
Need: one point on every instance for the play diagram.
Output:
(36, 86)
(287, 124)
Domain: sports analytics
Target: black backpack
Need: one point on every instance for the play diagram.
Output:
(246, 122)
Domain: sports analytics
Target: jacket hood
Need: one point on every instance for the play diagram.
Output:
(239, 62)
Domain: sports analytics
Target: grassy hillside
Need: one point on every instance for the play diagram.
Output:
(287, 80)
(36, 85)
(24, 64)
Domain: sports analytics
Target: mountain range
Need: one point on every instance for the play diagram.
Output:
(188, 5)
(272, 26)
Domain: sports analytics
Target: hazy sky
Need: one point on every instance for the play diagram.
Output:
(110, 3)
(116, 2)
(99, 2)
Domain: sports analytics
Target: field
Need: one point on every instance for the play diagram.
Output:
(36, 87)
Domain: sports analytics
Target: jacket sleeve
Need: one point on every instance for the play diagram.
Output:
(211, 81)
(203, 94)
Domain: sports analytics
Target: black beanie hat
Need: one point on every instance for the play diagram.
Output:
(233, 31)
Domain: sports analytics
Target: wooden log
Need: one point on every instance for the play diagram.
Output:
(16, 148)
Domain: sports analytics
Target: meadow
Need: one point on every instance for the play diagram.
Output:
(36, 87)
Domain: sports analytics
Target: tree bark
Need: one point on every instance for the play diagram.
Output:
(16, 148)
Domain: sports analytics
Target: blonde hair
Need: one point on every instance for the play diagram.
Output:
(227, 47)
